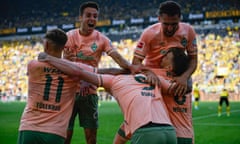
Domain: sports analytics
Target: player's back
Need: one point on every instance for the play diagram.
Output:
(140, 102)
(50, 99)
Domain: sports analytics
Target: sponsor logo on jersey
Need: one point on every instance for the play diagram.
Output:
(163, 52)
(81, 56)
(140, 45)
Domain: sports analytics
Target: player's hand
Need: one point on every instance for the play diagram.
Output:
(180, 86)
(135, 68)
(152, 78)
(86, 88)
(69, 54)
(42, 56)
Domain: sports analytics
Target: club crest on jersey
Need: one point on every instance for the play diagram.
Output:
(140, 45)
(184, 42)
(94, 46)
(163, 52)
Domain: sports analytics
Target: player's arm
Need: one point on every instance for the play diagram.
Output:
(152, 78)
(192, 66)
(137, 61)
(113, 71)
(69, 54)
(167, 86)
(68, 51)
(182, 86)
(70, 68)
(123, 63)
(120, 136)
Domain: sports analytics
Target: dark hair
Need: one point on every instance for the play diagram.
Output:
(180, 61)
(57, 36)
(170, 8)
(88, 4)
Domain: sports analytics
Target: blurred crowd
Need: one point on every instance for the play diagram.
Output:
(27, 13)
(218, 63)
(14, 56)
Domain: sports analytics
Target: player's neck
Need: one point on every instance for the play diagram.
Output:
(54, 54)
(83, 32)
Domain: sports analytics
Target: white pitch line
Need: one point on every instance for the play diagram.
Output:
(212, 124)
(211, 115)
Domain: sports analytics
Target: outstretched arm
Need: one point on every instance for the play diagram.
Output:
(152, 78)
(113, 71)
(69, 68)
(123, 63)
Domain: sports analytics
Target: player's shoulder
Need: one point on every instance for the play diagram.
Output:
(100, 34)
(153, 28)
(36, 63)
(151, 31)
(185, 25)
(101, 37)
(32, 63)
(72, 32)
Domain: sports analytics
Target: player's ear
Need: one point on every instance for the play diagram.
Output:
(159, 18)
(80, 18)
(46, 45)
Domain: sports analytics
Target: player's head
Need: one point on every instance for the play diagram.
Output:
(88, 17)
(169, 14)
(196, 84)
(55, 40)
(176, 60)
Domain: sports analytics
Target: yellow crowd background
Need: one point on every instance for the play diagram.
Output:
(218, 63)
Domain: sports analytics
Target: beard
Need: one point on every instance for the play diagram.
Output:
(168, 33)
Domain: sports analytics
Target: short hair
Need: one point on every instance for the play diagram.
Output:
(170, 8)
(90, 4)
(180, 61)
(57, 36)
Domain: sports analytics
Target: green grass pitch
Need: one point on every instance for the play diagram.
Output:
(208, 127)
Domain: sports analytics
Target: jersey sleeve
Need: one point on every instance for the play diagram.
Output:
(69, 46)
(143, 46)
(33, 68)
(108, 47)
(105, 81)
